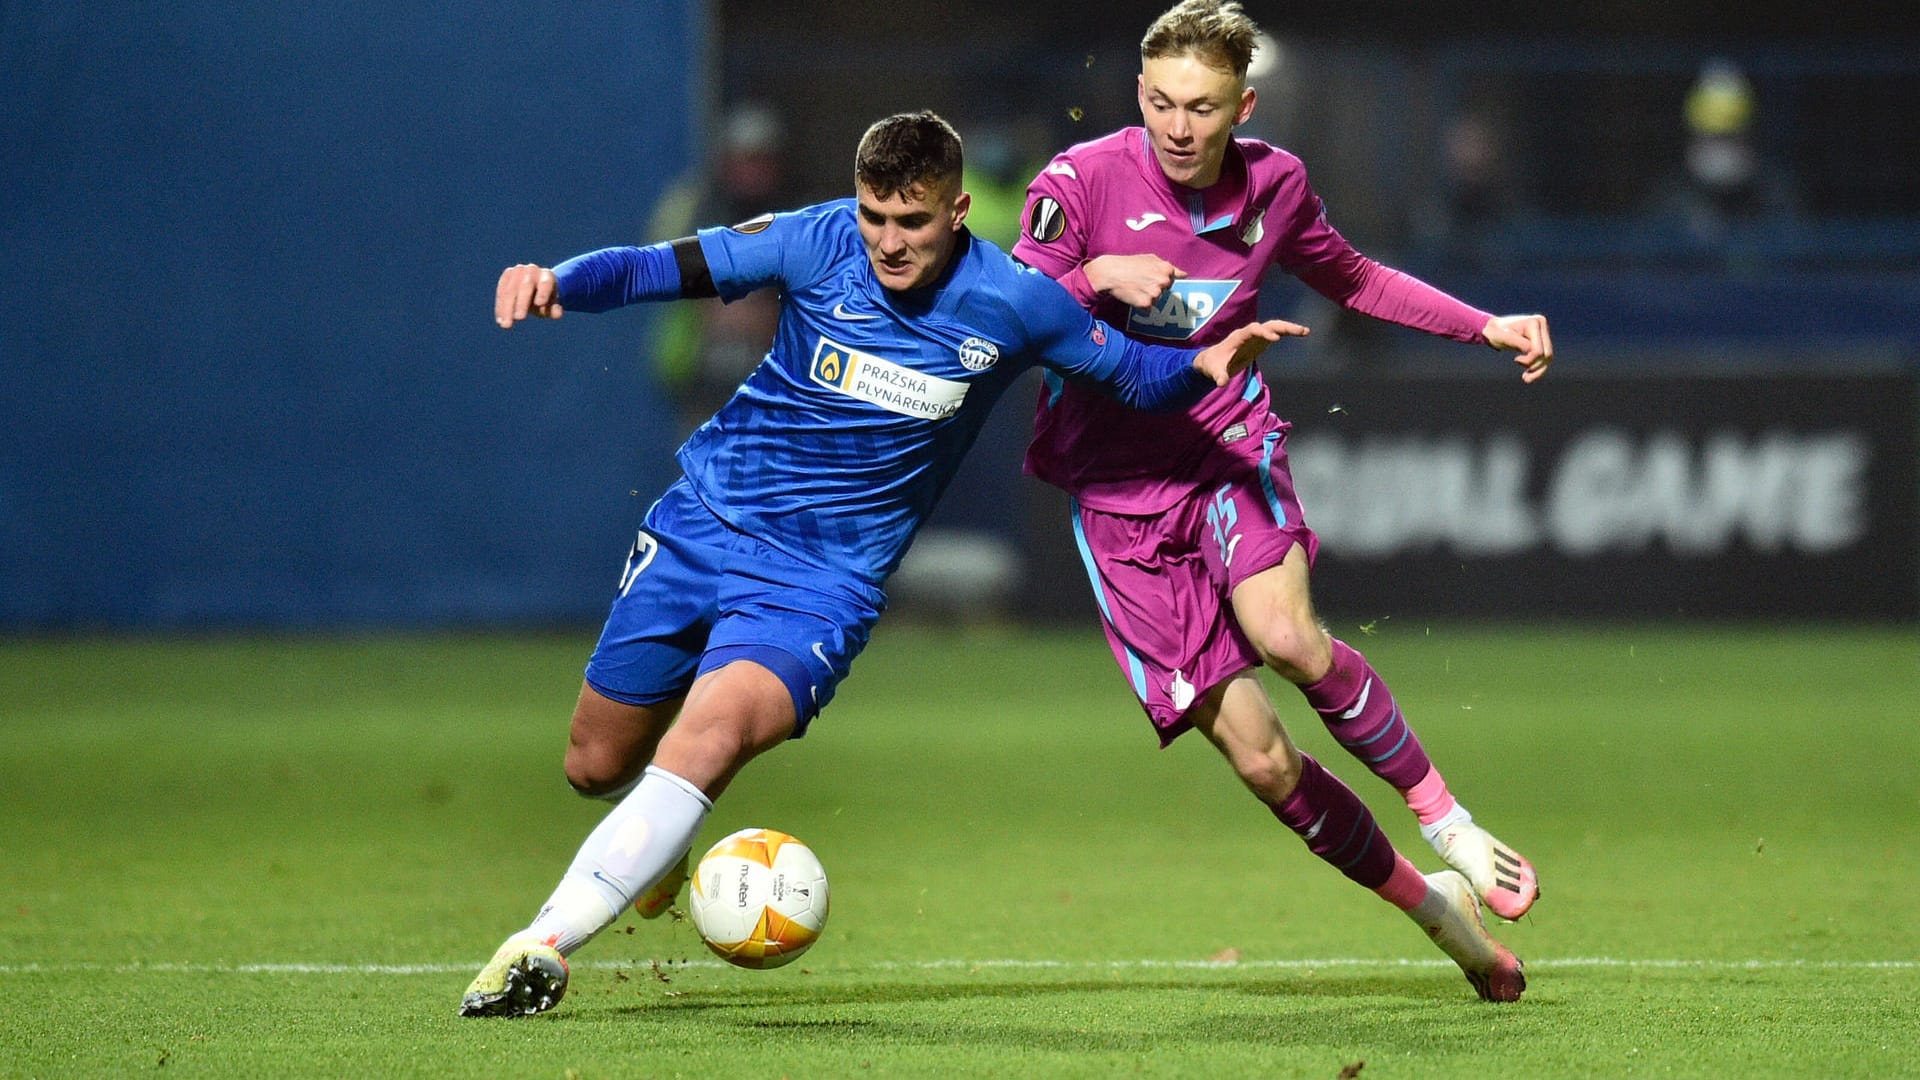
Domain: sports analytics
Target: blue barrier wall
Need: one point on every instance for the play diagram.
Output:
(248, 374)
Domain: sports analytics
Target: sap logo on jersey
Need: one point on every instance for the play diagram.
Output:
(894, 387)
(1182, 310)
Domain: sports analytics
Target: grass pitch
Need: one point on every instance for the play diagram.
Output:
(287, 857)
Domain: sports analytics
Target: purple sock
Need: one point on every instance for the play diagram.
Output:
(1337, 826)
(1359, 711)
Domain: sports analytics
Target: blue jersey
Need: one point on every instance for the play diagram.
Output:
(837, 446)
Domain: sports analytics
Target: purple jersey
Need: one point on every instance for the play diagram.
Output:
(1109, 197)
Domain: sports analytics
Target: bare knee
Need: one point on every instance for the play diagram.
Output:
(1298, 650)
(597, 770)
(1271, 774)
(609, 742)
(1275, 609)
(1239, 720)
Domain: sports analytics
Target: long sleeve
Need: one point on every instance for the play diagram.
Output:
(617, 276)
(1157, 378)
(1354, 281)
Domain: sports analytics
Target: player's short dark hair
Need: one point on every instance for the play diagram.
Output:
(1217, 32)
(907, 152)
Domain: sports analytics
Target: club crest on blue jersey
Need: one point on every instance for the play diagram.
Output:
(978, 354)
(1182, 310)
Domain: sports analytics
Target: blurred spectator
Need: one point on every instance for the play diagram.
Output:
(1726, 185)
(703, 349)
(999, 164)
(1477, 191)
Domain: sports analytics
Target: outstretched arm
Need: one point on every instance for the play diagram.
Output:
(1146, 376)
(1357, 282)
(601, 281)
(1160, 378)
(1225, 359)
(1526, 335)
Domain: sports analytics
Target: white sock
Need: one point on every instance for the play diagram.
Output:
(1456, 816)
(632, 848)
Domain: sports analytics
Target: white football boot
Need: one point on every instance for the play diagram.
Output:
(1500, 875)
(1451, 917)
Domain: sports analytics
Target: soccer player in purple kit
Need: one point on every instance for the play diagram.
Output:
(1188, 523)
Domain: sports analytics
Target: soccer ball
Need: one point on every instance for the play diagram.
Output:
(759, 898)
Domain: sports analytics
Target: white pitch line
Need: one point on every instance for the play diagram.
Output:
(976, 965)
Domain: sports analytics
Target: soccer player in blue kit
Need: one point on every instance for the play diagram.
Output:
(756, 579)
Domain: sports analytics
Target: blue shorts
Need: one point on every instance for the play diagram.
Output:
(697, 594)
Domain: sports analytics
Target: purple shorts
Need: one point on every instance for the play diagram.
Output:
(1164, 582)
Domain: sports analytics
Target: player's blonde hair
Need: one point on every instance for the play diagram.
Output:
(1216, 32)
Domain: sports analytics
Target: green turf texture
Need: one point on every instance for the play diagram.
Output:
(285, 856)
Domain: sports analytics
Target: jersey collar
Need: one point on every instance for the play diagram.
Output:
(1209, 209)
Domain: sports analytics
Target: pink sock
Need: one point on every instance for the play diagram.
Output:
(1406, 887)
(1429, 799)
